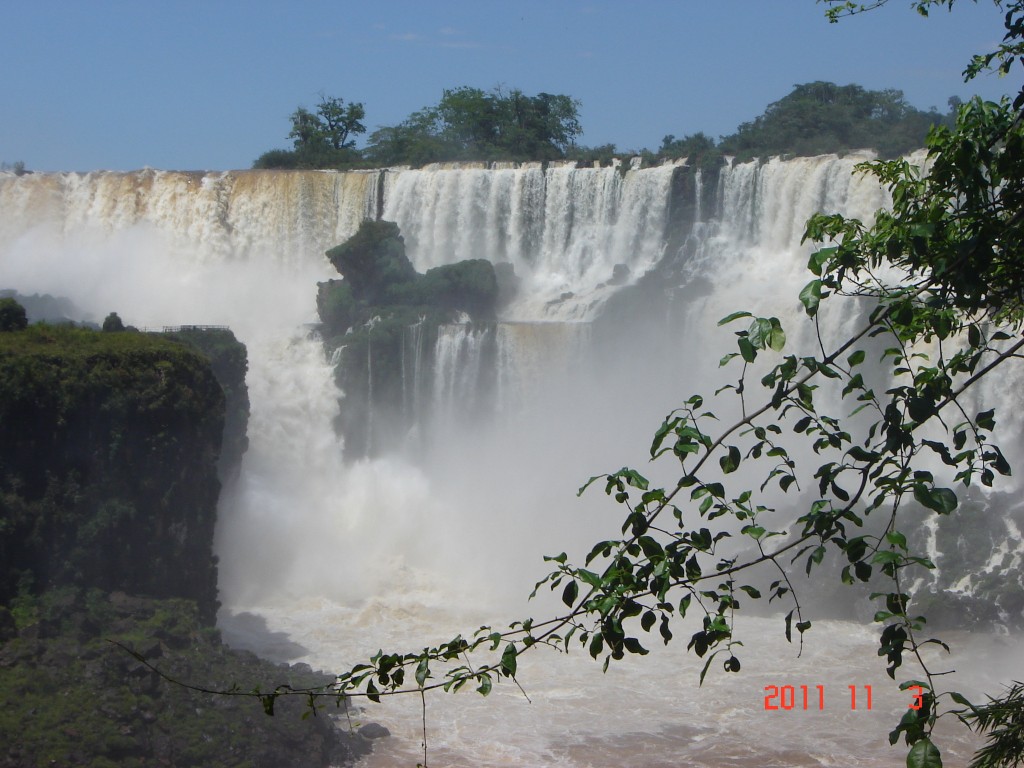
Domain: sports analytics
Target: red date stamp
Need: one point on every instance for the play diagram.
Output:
(812, 697)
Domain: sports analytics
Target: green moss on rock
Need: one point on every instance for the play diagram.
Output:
(69, 697)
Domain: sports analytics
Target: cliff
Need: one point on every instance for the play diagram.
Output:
(108, 464)
(109, 451)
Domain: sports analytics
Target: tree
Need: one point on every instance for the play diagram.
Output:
(323, 139)
(112, 323)
(698, 148)
(472, 124)
(12, 316)
(937, 283)
(339, 121)
(821, 117)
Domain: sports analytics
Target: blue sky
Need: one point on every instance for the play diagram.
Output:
(210, 85)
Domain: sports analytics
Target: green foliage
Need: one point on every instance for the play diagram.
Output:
(469, 286)
(112, 323)
(322, 139)
(373, 261)
(337, 122)
(336, 306)
(378, 276)
(821, 117)
(277, 159)
(602, 155)
(71, 697)
(699, 149)
(12, 316)
(229, 361)
(17, 168)
(471, 124)
(1003, 720)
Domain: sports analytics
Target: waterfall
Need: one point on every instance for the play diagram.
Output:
(458, 364)
(500, 422)
(563, 228)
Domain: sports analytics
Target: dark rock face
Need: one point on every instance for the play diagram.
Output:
(229, 362)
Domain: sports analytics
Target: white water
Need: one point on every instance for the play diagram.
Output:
(401, 551)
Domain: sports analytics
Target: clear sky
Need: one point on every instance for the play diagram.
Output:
(209, 84)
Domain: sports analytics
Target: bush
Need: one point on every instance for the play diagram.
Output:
(12, 316)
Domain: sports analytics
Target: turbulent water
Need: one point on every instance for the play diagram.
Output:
(326, 560)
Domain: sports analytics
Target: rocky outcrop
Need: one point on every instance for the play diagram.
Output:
(383, 315)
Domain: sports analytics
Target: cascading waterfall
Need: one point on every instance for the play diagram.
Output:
(412, 547)
(458, 363)
(563, 228)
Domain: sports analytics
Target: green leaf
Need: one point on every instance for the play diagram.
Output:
(268, 703)
(570, 593)
(596, 645)
(422, 671)
(747, 350)
(733, 316)
(818, 259)
(897, 539)
(753, 531)
(508, 660)
(759, 331)
(633, 646)
(924, 754)
(730, 462)
(485, 685)
(941, 500)
(776, 338)
(810, 297)
(647, 621)
(984, 420)
(856, 358)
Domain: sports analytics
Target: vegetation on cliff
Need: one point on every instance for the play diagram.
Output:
(379, 280)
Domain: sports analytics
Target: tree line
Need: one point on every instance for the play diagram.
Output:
(509, 125)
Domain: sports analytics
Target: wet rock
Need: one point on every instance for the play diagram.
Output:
(374, 731)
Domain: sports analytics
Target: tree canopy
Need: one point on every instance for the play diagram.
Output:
(472, 124)
(466, 124)
(322, 139)
(821, 117)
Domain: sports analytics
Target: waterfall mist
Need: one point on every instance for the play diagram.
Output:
(446, 530)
